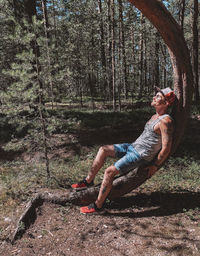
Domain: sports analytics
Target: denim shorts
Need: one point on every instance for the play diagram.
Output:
(129, 158)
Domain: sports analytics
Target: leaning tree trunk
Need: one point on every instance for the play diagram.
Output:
(195, 51)
(172, 34)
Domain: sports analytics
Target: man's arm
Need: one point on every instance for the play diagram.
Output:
(166, 129)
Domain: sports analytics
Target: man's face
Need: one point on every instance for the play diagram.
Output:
(158, 100)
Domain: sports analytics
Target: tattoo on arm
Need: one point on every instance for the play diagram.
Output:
(167, 135)
(104, 189)
(166, 140)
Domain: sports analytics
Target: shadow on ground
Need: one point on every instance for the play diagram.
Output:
(128, 132)
(9, 155)
(155, 204)
(108, 128)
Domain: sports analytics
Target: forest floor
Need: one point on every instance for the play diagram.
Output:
(144, 222)
(134, 225)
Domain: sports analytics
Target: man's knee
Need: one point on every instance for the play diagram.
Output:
(107, 150)
(111, 172)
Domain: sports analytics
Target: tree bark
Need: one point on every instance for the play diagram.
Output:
(141, 57)
(122, 46)
(182, 13)
(132, 67)
(113, 53)
(30, 9)
(102, 45)
(18, 10)
(164, 68)
(195, 50)
(145, 64)
(121, 185)
(156, 68)
(47, 37)
(109, 50)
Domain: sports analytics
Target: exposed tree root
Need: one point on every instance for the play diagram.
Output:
(121, 186)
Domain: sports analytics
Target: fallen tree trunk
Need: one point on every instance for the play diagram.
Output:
(121, 186)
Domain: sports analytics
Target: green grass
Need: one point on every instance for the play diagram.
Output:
(178, 174)
(19, 180)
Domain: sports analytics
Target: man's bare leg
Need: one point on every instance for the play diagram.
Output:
(106, 185)
(104, 151)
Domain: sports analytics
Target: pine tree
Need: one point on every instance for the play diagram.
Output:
(24, 99)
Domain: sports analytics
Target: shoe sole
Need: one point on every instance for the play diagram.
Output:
(94, 213)
(91, 213)
(78, 189)
(84, 188)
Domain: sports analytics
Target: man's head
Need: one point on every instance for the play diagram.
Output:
(167, 93)
(163, 98)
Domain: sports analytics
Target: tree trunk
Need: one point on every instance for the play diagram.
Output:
(182, 13)
(141, 58)
(109, 54)
(195, 51)
(172, 34)
(122, 48)
(121, 186)
(54, 23)
(164, 67)
(18, 10)
(102, 45)
(133, 60)
(113, 53)
(47, 37)
(156, 68)
(145, 64)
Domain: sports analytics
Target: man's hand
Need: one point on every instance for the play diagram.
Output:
(151, 170)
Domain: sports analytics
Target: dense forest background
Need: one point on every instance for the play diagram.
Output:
(94, 54)
(53, 51)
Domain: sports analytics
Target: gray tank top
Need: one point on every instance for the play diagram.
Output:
(149, 143)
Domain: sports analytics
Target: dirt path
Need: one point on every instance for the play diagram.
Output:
(133, 225)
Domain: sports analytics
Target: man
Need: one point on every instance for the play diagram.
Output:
(154, 144)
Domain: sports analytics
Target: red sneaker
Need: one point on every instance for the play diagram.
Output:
(82, 184)
(91, 208)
